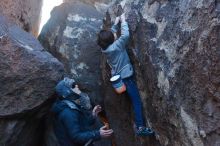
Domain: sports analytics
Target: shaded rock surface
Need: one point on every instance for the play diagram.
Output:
(28, 75)
(70, 35)
(174, 48)
(24, 13)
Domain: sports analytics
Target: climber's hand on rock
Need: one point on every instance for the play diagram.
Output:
(104, 132)
(122, 3)
(96, 110)
(117, 19)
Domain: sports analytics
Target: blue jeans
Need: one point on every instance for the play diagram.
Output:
(134, 95)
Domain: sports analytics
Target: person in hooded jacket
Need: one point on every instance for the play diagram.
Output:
(73, 117)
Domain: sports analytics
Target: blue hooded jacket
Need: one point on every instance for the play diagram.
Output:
(72, 124)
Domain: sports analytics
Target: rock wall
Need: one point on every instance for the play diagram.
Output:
(28, 75)
(174, 48)
(24, 13)
(70, 35)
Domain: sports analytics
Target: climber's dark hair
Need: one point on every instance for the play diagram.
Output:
(105, 38)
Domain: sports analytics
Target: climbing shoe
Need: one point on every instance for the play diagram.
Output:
(143, 131)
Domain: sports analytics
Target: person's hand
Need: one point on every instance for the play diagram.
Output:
(122, 18)
(96, 110)
(122, 3)
(117, 19)
(104, 132)
(76, 90)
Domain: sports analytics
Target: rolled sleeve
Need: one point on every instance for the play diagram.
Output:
(114, 28)
(123, 39)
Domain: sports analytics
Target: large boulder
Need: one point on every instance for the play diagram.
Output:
(174, 47)
(28, 75)
(24, 13)
(70, 35)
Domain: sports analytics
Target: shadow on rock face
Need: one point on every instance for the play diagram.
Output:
(28, 75)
